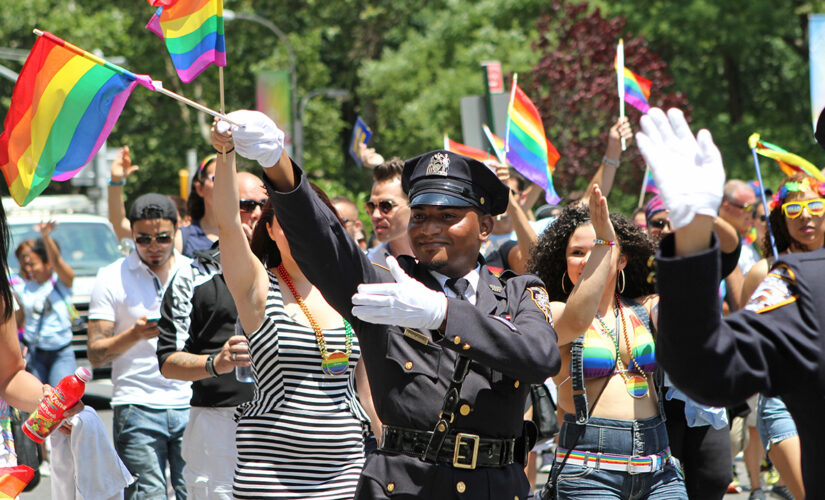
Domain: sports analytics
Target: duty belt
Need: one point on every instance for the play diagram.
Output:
(462, 450)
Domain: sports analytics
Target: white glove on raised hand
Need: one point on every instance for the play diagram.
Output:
(688, 171)
(408, 302)
(259, 138)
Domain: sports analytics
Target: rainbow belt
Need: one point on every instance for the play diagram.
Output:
(622, 463)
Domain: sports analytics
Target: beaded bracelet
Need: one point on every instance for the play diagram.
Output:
(608, 161)
(608, 243)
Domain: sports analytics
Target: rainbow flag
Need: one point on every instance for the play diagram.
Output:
(63, 107)
(788, 162)
(465, 150)
(14, 479)
(527, 148)
(193, 32)
(636, 90)
(650, 184)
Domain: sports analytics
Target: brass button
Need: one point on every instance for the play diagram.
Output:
(481, 200)
(465, 346)
(516, 384)
(442, 427)
(456, 340)
(460, 486)
(408, 365)
(391, 488)
(516, 497)
(464, 410)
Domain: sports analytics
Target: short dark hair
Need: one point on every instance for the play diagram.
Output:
(153, 206)
(389, 170)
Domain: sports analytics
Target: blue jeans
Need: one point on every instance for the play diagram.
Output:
(774, 421)
(50, 367)
(145, 439)
(622, 437)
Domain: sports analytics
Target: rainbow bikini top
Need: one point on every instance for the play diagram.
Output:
(599, 351)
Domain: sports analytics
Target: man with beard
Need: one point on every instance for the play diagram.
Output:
(150, 411)
(450, 349)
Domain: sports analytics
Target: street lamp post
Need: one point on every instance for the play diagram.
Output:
(299, 123)
(230, 15)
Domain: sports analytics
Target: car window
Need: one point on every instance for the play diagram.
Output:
(85, 246)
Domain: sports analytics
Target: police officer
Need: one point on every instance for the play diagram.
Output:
(776, 344)
(450, 349)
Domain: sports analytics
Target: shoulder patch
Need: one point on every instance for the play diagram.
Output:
(775, 291)
(542, 301)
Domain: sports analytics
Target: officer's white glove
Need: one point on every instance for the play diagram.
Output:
(259, 138)
(408, 302)
(688, 171)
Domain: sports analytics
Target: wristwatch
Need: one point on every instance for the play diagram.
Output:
(210, 366)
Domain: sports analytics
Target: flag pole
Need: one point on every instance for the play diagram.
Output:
(752, 142)
(620, 82)
(509, 112)
(200, 107)
(644, 187)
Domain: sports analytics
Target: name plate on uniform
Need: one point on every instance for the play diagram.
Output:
(416, 335)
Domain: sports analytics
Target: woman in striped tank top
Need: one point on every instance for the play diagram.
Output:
(298, 438)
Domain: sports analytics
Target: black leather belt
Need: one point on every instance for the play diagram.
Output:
(461, 450)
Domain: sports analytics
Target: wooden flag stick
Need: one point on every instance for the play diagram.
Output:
(189, 102)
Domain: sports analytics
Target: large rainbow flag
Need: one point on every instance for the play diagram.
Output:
(465, 150)
(14, 479)
(527, 148)
(193, 32)
(788, 162)
(63, 107)
(636, 90)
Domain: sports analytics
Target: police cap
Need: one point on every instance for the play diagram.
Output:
(443, 178)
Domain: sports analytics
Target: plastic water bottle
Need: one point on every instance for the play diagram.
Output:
(244, 373)
(49, 415)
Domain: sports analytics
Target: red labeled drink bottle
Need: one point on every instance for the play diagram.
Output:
(48, 416)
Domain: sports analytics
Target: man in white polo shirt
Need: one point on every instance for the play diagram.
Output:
(150, 411)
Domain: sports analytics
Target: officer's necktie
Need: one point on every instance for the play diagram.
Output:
(459, 286)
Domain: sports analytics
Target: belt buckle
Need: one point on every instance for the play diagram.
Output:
(462, 439)
(630, 466)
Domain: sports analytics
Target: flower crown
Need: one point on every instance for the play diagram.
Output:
(796, 187)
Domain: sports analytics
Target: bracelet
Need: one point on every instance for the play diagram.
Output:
(608, 161)
(210, 366)
(121, 182)
(608, 243)
(227, 151)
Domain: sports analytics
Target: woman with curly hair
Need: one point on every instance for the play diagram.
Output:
(613, 442)
(797, 220)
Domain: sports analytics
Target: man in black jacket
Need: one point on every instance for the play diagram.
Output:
(450, 349)
(776, 344)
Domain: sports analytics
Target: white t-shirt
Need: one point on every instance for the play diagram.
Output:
(135, 373)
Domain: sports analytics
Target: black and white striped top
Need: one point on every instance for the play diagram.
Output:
(298, 438)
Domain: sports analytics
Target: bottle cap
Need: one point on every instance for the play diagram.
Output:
(83, 374)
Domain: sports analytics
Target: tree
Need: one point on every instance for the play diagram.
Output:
(574, 87)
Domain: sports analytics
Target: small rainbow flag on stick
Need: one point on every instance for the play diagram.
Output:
(465, 150)
(788, 162)
(14, 479)
(193, 32)
(63, 107)
(634, 89)
(526, 146)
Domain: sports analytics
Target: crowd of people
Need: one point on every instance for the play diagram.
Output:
(395, 361)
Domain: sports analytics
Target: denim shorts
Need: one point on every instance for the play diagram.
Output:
(622, 437)
(774, 421)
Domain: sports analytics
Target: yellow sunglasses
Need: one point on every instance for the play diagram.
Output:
(793, 209)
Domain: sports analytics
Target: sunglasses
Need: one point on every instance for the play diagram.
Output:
(248, 206)
(793, 209)
(384, 207)
(659, 223)
(146, 239)
(747, 207)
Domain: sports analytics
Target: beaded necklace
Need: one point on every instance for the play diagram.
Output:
(332, 364)
(636, 385)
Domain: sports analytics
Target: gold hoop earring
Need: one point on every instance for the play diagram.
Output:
(621, 275)
(562, 282)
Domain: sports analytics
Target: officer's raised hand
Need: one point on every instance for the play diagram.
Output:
(407, 302)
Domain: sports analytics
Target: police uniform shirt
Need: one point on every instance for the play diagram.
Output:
(506, 335)
(470, 294)
(775, 346)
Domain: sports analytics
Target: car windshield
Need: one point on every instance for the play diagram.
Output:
(85, 246)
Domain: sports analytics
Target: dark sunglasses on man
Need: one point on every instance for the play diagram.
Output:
(746, 207)
(248, 206)
(146, 239)
(385, 206)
